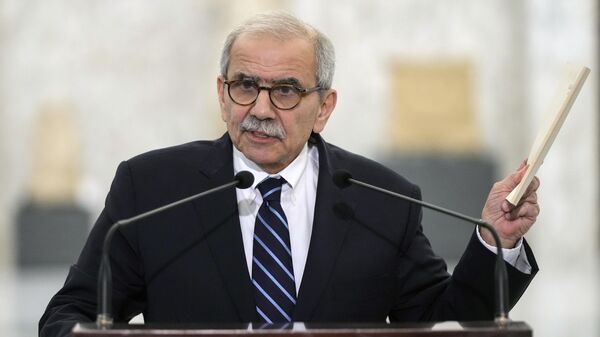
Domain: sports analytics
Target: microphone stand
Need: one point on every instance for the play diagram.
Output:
(104, 319)
(501, 275)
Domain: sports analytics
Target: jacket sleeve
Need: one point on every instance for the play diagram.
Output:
(76, 301)
(427, 292)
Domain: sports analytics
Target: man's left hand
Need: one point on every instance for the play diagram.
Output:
(510, 221)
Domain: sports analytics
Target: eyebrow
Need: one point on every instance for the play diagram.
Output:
(242, 76)
(286, 80)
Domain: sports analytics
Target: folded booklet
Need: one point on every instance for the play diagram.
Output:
(547, 134)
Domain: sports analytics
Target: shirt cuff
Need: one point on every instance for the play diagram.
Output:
(516, 257)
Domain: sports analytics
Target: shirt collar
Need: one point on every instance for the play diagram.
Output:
(292, 173)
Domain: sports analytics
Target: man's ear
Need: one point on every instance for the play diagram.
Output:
(221, 93)
(221, 90)
(325, 110)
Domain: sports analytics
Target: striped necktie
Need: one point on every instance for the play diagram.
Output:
(272, 271)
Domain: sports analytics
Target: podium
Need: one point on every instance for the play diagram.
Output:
(444, 329)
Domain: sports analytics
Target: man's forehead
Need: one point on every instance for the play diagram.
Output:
(269, 59)
(248, 41)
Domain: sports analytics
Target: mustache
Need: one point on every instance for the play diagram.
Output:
(270, 127)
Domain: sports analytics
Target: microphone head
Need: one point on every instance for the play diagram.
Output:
(340, 178)
(245, 179)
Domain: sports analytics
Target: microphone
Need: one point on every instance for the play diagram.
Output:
(104, 320)
(343, 179)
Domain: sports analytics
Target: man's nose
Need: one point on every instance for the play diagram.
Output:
(263, 108)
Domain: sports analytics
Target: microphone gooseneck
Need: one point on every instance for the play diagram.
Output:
(104, 320)
(343, 179)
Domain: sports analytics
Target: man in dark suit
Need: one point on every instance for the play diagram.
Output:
(299, 249)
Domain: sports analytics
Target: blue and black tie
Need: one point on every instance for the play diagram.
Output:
(272, 270)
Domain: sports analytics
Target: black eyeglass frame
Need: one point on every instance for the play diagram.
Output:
(302, 91)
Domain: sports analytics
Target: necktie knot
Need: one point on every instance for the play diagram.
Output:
(271, 189)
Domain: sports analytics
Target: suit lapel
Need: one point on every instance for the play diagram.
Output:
(221, 225)
(329, 231)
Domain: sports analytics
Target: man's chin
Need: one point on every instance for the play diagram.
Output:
(265, 160)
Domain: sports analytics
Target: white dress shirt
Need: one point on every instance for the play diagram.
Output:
(298, 197)
(516, 257)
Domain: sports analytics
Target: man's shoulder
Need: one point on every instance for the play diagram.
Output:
(181, 158)
(363, 168)
(191, 152)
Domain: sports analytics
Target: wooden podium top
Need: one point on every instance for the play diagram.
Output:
(443, 329)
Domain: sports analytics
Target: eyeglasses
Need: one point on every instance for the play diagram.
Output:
(283, 96)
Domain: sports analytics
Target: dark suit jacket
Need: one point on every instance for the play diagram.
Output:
(368, 258)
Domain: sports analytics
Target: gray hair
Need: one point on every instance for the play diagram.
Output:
(284, 26)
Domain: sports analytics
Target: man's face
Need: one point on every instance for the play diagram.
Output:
(271, 61)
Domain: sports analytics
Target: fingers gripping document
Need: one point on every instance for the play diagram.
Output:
(547, 134)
